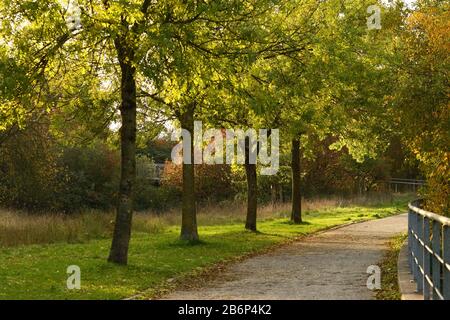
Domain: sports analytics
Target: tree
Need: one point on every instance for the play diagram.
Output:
(261, 88)
(296, 215)
(329, 89)
(420, 101)
(106, 29)
(195, 71)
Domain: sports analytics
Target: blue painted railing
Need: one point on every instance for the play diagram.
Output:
(429, 252)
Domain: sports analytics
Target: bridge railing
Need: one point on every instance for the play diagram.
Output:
(429, 252)
(402, 184)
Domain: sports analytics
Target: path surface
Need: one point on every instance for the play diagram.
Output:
(328, 265)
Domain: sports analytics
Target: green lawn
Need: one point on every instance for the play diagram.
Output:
(39, 271)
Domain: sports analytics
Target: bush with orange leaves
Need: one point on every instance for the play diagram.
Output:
(212, 182)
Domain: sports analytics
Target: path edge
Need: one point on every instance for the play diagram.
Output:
(232, 260)
(406, 283)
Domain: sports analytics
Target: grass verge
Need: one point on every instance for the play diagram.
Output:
(21, 228)
(389, 279)
(155, 259)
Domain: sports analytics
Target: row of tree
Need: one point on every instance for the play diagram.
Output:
(311, 68)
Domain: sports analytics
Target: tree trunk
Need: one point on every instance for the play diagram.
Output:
(296, 215)
(252, 196)
(122, 228)
(189, 230)
(252, 190)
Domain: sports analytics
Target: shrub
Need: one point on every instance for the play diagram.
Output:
(90, 177)
(213, 182)
(28, 172)
(148, 193)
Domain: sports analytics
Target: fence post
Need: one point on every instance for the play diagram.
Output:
(419, 253)
(426, 258)
(410, 238)
(446, 250)
(436, 268)
(415, 267)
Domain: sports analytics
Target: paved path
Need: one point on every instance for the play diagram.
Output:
(328, 265)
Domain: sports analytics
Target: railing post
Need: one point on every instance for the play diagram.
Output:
(436, 268)
(426, 258)
(419, 253)
(410, 240)
(415, 266)
(446, 250)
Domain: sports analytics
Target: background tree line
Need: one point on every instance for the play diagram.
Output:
(40, 174)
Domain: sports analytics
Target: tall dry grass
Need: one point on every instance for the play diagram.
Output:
(20, 228)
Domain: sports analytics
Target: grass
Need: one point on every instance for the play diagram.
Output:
(156, 255)
(389, 281)
(20, 228)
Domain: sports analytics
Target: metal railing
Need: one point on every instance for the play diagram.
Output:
(416, 182)
(429, 252)
(413, 184)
